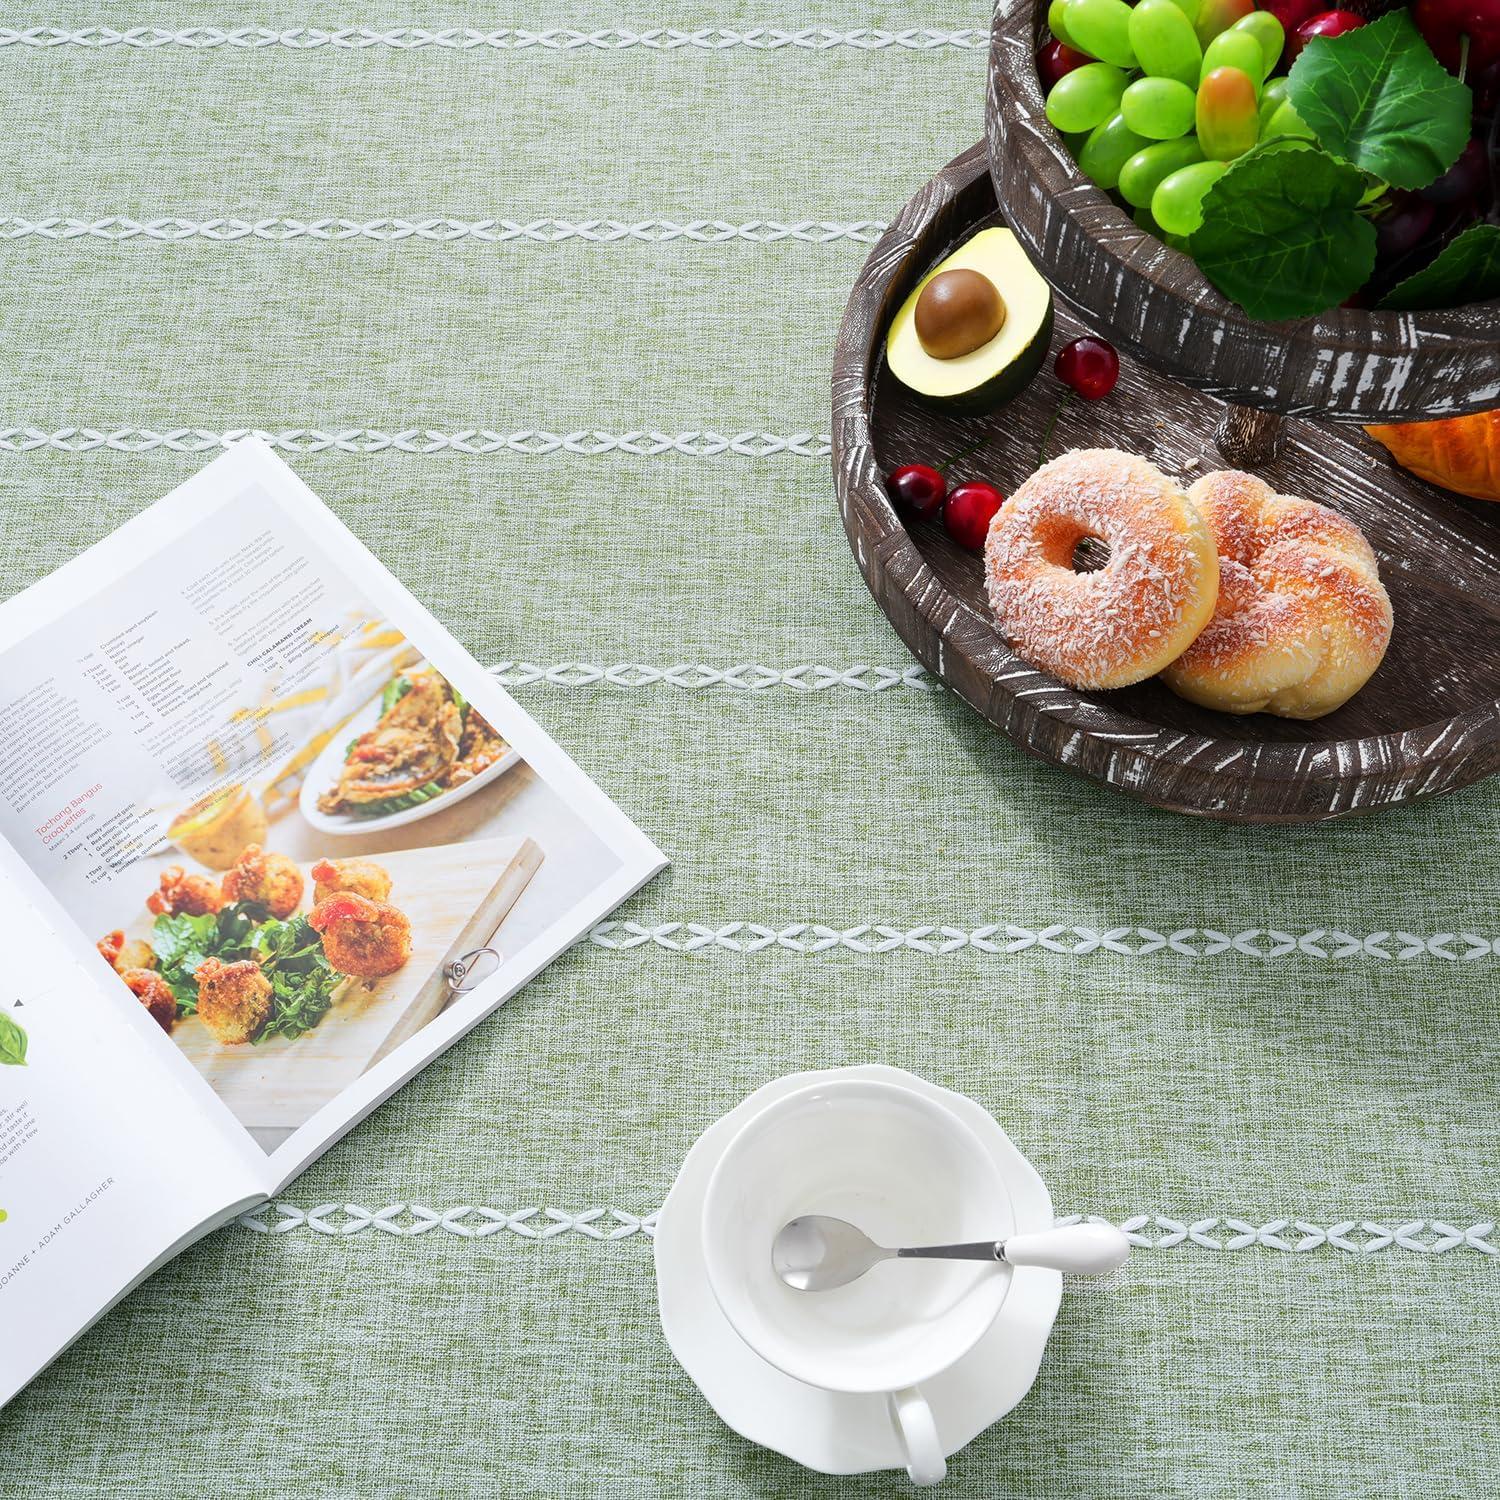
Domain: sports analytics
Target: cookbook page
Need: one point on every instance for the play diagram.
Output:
(104, 1164)
(312, 836)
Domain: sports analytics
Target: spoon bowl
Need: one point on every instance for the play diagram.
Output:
(817, 1252)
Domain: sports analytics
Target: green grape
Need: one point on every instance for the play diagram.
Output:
(1102, 29)
(1266, 30)
(1166, 45)
(1057, 24)
(1271, 98)
(1143, 173)
(1285, 121)
(1234, 49)
(1107, 149)
(1144, 220)
(1215, 16)
(1158, 108)
(1228, 120)
(1189, 8)
(1085, 97)
(1177, 203)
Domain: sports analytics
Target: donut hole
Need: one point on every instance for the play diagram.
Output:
(1090, 554)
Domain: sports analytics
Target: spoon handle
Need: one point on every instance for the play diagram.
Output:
(1085, 1249)
(976, 1250)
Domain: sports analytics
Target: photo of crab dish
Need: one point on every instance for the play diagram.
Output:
(417, 745)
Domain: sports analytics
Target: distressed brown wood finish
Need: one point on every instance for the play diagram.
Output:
(1348, 364)
(1428, 722)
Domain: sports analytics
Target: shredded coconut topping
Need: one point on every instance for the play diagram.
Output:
(1128, 619)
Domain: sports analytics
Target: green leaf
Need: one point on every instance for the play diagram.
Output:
(395, 690)
(388, 805)
(172, 937)
(12, 1042)
(1466, 270)
(1377, 97)
(1280, 234)
(181, 943)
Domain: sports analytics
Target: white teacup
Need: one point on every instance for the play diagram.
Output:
(907, 1171)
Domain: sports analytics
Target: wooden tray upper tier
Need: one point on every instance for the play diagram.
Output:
(1347, 364)
(1427, 722)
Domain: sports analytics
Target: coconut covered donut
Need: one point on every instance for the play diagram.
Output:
(1126, 621)
(1303, 619)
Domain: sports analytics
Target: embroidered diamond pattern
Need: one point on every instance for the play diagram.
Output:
(1147, 1231)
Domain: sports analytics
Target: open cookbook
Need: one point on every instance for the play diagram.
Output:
(270, 840)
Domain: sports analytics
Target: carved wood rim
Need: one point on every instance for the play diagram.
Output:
(1223, 778)
(1181, 325)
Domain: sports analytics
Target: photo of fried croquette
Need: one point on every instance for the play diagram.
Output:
(361, 877)
(122, 953)
(234, 1000)
(266, 879)
(181, 894)
(153, 992)
(362, 938)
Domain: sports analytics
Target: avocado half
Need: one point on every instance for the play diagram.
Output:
(994, 373)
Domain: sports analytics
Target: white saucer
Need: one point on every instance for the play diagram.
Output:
(830, 1431)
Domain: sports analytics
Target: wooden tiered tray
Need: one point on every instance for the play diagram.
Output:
(1428, 722)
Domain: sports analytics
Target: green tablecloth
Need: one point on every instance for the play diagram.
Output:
(1205, 1088)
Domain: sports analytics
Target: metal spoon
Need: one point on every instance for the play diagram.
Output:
(815, 1253)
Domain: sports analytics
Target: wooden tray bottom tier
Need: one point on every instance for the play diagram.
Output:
(1426, 722)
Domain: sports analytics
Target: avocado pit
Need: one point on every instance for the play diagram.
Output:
(958, 312)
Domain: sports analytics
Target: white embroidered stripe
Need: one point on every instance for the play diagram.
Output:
(748, 677)
(1148, 1231)
(527, 442)
(1072, 941)
(506, 39)
(491, 231)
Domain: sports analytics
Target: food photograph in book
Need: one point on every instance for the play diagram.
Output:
(279, 822)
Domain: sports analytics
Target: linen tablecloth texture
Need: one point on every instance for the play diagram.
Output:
(1204, 1031)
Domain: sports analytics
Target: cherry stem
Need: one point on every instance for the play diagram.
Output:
(1463, 57)
(1041, 457)
(984, 442)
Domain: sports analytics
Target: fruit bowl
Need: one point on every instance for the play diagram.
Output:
(1347, 365)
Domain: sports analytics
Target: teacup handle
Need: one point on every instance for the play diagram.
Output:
(925, 1463)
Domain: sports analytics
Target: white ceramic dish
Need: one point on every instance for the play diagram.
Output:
(839, 1432)
(324, 774)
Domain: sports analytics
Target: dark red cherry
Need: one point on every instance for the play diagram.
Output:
(1403, 225)
(968, 511)
(1056, 60)
(1090, 366)
(1328, 23)
(919, 487)
(1292, 13)
(1465, 180)
(1445, 24)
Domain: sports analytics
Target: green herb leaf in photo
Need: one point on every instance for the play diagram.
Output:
(182, 942)
(1378, 98)
(388, 805)
(1466, 270)
(1280, 234)
(394, 691)
(291, 955)
(12, 1042)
